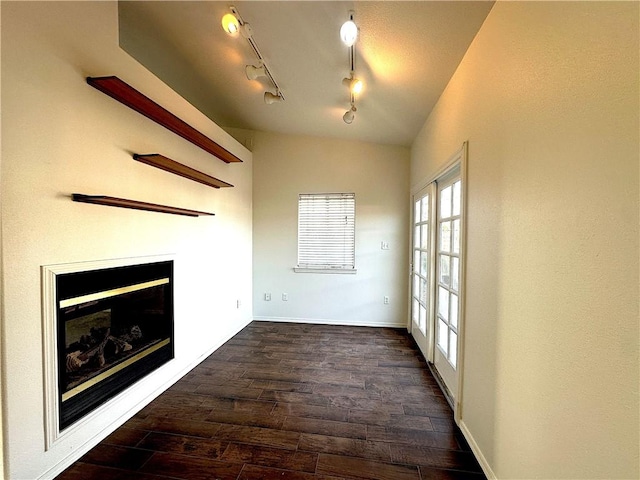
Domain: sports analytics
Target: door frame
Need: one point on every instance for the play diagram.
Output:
(459, 158)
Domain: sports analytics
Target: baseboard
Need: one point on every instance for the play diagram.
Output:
(328, 321)
(80, 450)
(477, 452)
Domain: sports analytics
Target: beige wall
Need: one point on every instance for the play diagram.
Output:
(547, 97)
(61, 136)
(287, 165)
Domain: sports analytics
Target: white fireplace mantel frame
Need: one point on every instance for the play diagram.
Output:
(49, 273)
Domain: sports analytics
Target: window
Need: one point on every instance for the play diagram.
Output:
(326, 232)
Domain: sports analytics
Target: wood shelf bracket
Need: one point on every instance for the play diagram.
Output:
(132, 98)
(135, 204)
(171, 166)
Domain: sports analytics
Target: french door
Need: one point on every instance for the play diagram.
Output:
(436, 276)
(421, 274)
(447, 291)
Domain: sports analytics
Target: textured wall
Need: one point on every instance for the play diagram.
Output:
(547, 97)
(286, 165)
(61, 136)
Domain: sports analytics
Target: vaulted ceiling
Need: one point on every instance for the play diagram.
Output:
(406, 53)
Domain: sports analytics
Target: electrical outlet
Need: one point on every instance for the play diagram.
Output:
(384, 245)
(238, 303)
(267, 297)
(285, 297)
(386, 300)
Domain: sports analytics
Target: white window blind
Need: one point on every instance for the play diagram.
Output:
(326, 231)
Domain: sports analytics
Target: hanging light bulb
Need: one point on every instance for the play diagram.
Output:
(349, 115)
(349, 32)
(230, 24)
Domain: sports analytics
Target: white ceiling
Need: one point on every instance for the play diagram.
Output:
(406, 53)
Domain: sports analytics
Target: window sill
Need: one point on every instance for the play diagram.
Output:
(341, 271)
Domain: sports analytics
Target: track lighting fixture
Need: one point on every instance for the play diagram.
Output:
(355, 85)
(233, 24)
(349, 31)
(270, 98)
(349, 115)
(254, 72)
(349, 34)
(230, 24)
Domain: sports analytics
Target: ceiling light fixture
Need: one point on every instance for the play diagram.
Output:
(254, 72)
(355, 85)
(349, 31)
(349, 34)
(349, 115)
(270, 98)
(232, 23)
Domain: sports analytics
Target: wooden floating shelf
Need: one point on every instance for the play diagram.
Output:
(129, 96)
(134, 204)
(168, 165)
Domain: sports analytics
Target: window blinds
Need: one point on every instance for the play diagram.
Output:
(326, 231)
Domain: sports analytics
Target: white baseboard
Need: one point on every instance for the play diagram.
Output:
(328, 321)
(80, 450)
(477, 452)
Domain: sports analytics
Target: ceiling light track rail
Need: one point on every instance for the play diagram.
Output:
(233, 23)
(349, 35)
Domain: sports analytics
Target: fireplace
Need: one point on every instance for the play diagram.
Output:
(113, 326)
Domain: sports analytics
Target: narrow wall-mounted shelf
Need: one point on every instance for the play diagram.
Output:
(134, 204)
(129, 96)
(168, 165)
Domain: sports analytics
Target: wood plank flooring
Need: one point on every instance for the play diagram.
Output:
(293, 402)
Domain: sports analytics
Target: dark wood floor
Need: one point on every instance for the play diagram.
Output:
(293, 402)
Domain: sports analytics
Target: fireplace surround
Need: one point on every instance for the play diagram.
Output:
(107, 325)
